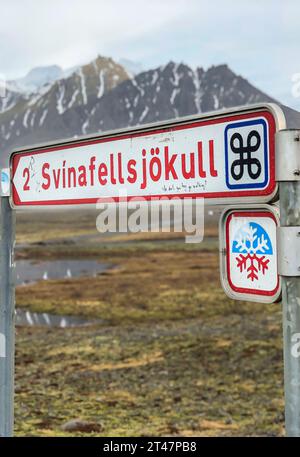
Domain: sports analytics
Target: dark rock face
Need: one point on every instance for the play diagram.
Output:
(102, 96)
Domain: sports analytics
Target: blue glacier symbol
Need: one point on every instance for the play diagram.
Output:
(252, 239)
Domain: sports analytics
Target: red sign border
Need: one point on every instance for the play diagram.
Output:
(269, 190)
(241, 290)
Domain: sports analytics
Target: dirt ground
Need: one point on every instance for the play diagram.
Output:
(172, 355)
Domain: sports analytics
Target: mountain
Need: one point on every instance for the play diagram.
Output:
(36, 79)
(133, 68)
(59, 109)
(168, 92)
(11, 99)
(103, 95)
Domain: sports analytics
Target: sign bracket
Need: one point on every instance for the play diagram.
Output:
(287, 157)
(288, 240)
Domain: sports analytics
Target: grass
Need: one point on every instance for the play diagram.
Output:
(190, 378)
(174, 357)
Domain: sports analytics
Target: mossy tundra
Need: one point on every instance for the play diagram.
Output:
(171, 356)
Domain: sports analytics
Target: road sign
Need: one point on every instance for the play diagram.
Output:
(224, 156)
(5, 182)
(249, 253)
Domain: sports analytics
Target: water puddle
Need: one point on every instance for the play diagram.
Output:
(29, 272)
(29, 318)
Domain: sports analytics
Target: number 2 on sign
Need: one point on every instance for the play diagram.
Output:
(26, 175)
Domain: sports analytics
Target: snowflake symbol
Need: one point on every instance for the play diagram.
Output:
(249, 244)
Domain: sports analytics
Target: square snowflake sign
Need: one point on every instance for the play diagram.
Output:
(249, 254)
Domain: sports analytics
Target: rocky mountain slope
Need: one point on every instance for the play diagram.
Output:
(103, 96)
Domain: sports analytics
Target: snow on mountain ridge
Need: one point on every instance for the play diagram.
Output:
(102, 96)
(36, 78)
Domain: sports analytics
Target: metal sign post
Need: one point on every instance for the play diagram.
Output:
(288, 174)
(7, 317)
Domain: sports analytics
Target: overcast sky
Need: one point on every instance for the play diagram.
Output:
(259, 39)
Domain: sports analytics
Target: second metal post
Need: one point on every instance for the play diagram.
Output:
(288, 175)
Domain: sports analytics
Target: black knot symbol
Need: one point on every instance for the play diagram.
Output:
(245, 161)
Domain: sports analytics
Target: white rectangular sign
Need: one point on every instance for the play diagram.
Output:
(221, 157)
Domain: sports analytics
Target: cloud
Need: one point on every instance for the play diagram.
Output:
(71, 31)
(258, 39)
